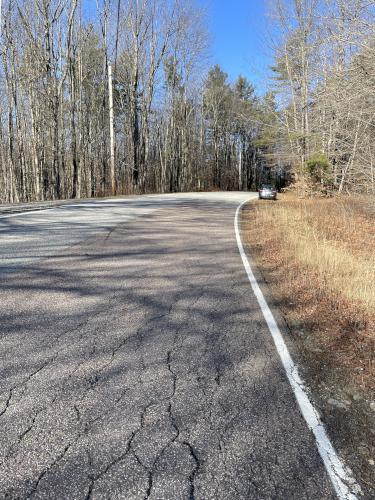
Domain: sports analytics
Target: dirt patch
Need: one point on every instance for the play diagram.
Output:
(318, 260)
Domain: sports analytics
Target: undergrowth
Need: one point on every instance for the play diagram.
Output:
(319, 257)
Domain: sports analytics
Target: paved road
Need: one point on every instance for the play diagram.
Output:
(135, 362)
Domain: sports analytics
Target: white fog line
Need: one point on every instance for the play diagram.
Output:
(341, 476)
(26, 212)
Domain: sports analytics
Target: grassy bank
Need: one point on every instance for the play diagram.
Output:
(318, 256)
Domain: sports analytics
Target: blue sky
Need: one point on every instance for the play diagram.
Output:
(239, 30)
(239, 33)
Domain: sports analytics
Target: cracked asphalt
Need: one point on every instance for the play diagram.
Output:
(135, 361)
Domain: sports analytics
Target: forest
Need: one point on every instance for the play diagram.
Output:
(120, 97)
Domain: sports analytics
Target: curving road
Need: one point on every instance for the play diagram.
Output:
(136, 363)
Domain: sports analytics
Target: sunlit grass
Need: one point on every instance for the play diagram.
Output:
(334, 238)
(318, 257)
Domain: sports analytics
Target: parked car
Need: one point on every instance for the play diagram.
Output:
(267, 192)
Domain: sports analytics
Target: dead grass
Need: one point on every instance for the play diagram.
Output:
(319, 258)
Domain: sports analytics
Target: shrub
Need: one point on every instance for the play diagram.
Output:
(319, 171)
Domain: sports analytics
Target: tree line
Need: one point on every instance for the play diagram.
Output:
(324, 82)
(112, 97)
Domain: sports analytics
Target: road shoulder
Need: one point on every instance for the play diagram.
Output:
(349, 424)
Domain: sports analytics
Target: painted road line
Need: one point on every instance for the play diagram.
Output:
(341, 476)
(27, 212)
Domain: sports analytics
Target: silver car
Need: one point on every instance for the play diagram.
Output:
(267, 192)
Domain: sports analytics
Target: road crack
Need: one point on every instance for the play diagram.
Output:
(195, 470)
(47, 469)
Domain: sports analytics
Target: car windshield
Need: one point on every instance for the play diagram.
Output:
(267, 186)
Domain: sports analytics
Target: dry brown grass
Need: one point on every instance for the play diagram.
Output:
(319, 257)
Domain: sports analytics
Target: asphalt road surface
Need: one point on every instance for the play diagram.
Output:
(135, 361)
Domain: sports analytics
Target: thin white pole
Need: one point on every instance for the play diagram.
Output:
(240, 170)
(111, 130)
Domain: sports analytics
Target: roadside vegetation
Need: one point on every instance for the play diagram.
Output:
(318, 255)
(317, 258)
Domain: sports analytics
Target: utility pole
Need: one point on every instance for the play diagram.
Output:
(111, 131)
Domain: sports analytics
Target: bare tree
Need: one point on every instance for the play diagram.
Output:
(325, 91)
